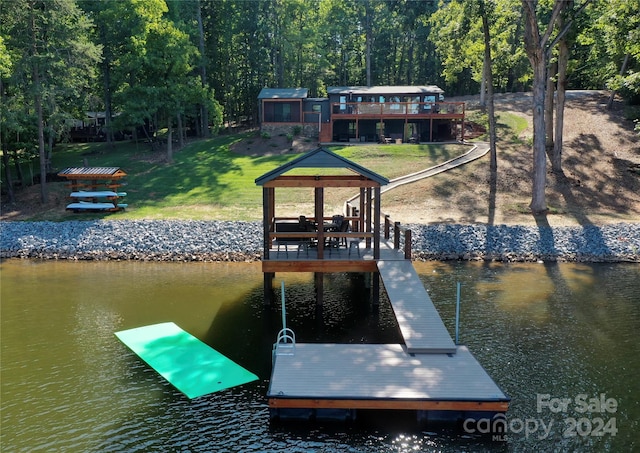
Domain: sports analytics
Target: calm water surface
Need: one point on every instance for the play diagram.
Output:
(568, 331)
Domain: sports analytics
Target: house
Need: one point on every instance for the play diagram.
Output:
(400, 114)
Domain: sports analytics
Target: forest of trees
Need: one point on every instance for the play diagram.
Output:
(171, 63)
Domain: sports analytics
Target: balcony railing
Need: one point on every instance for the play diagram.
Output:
(397, 108)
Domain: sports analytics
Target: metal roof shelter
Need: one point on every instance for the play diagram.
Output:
(92, 173)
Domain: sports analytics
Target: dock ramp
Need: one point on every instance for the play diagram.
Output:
(420, 324)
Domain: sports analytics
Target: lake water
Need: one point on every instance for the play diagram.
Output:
(547, 334)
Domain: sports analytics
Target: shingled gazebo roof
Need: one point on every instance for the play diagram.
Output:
(321, 158)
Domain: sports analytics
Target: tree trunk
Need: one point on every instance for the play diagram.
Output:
(483, 81)
(612, 96)
(49, 150)
(563, 59)
(536, 54)
(169, 141)
(18, 168)
(548, 106)
(538, 202)
(488, 77)
(368, 38)
(106, 86)
(180, 131)
(7, 177)
(41, 149)
(204, 112)
(108, 111)
(37, 97)
(5, 159)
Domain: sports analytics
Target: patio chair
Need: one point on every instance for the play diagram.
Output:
(344, 228)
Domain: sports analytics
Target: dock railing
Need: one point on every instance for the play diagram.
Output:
(320, 236)
(390, 108)
(402, 236)
(399, 233)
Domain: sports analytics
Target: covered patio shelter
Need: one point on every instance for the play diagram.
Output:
(315, 244)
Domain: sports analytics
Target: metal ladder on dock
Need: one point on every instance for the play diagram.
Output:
(286, 340)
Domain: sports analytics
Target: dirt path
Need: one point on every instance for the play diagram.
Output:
(600, 182)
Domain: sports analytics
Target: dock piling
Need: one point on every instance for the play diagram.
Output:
(457, 310)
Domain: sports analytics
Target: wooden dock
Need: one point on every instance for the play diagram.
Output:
(381, 376)
(429, 373)
(422, 329)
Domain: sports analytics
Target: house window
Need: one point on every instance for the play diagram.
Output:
(282, 112)
(352, 129)
(429, 99)
(395, 100)
(413, 103)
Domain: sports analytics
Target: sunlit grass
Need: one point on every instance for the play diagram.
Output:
(207, 180)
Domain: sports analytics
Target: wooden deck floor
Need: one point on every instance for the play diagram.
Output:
(292, 252)
(292, 259)
(420, 324)
(381, 376)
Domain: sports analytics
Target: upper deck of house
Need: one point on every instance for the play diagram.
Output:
(415, 102)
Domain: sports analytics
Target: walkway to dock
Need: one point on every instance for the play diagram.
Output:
(420, 324)
(478, 150)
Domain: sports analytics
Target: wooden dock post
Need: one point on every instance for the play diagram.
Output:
(268, 288)
(376, 289)
(319, 286)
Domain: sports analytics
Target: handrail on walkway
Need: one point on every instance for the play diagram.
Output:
(398, 231)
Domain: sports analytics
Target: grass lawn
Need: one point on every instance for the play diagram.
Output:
(207, 180)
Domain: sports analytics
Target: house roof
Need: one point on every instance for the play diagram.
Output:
(321, 158)
(283, 93)
(426, 89)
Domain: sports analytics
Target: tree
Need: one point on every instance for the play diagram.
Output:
(5, 71)
(538, 47)
(458, 36)
(561, 88)
(488, 76)
(56, 64)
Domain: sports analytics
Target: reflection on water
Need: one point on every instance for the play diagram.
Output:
(69, 385)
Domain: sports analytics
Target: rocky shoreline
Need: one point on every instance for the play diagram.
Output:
(184, 241)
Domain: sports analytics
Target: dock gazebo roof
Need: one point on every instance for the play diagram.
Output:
(321, 158)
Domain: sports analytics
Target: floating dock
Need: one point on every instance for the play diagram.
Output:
(429, 373)
(380, 376)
